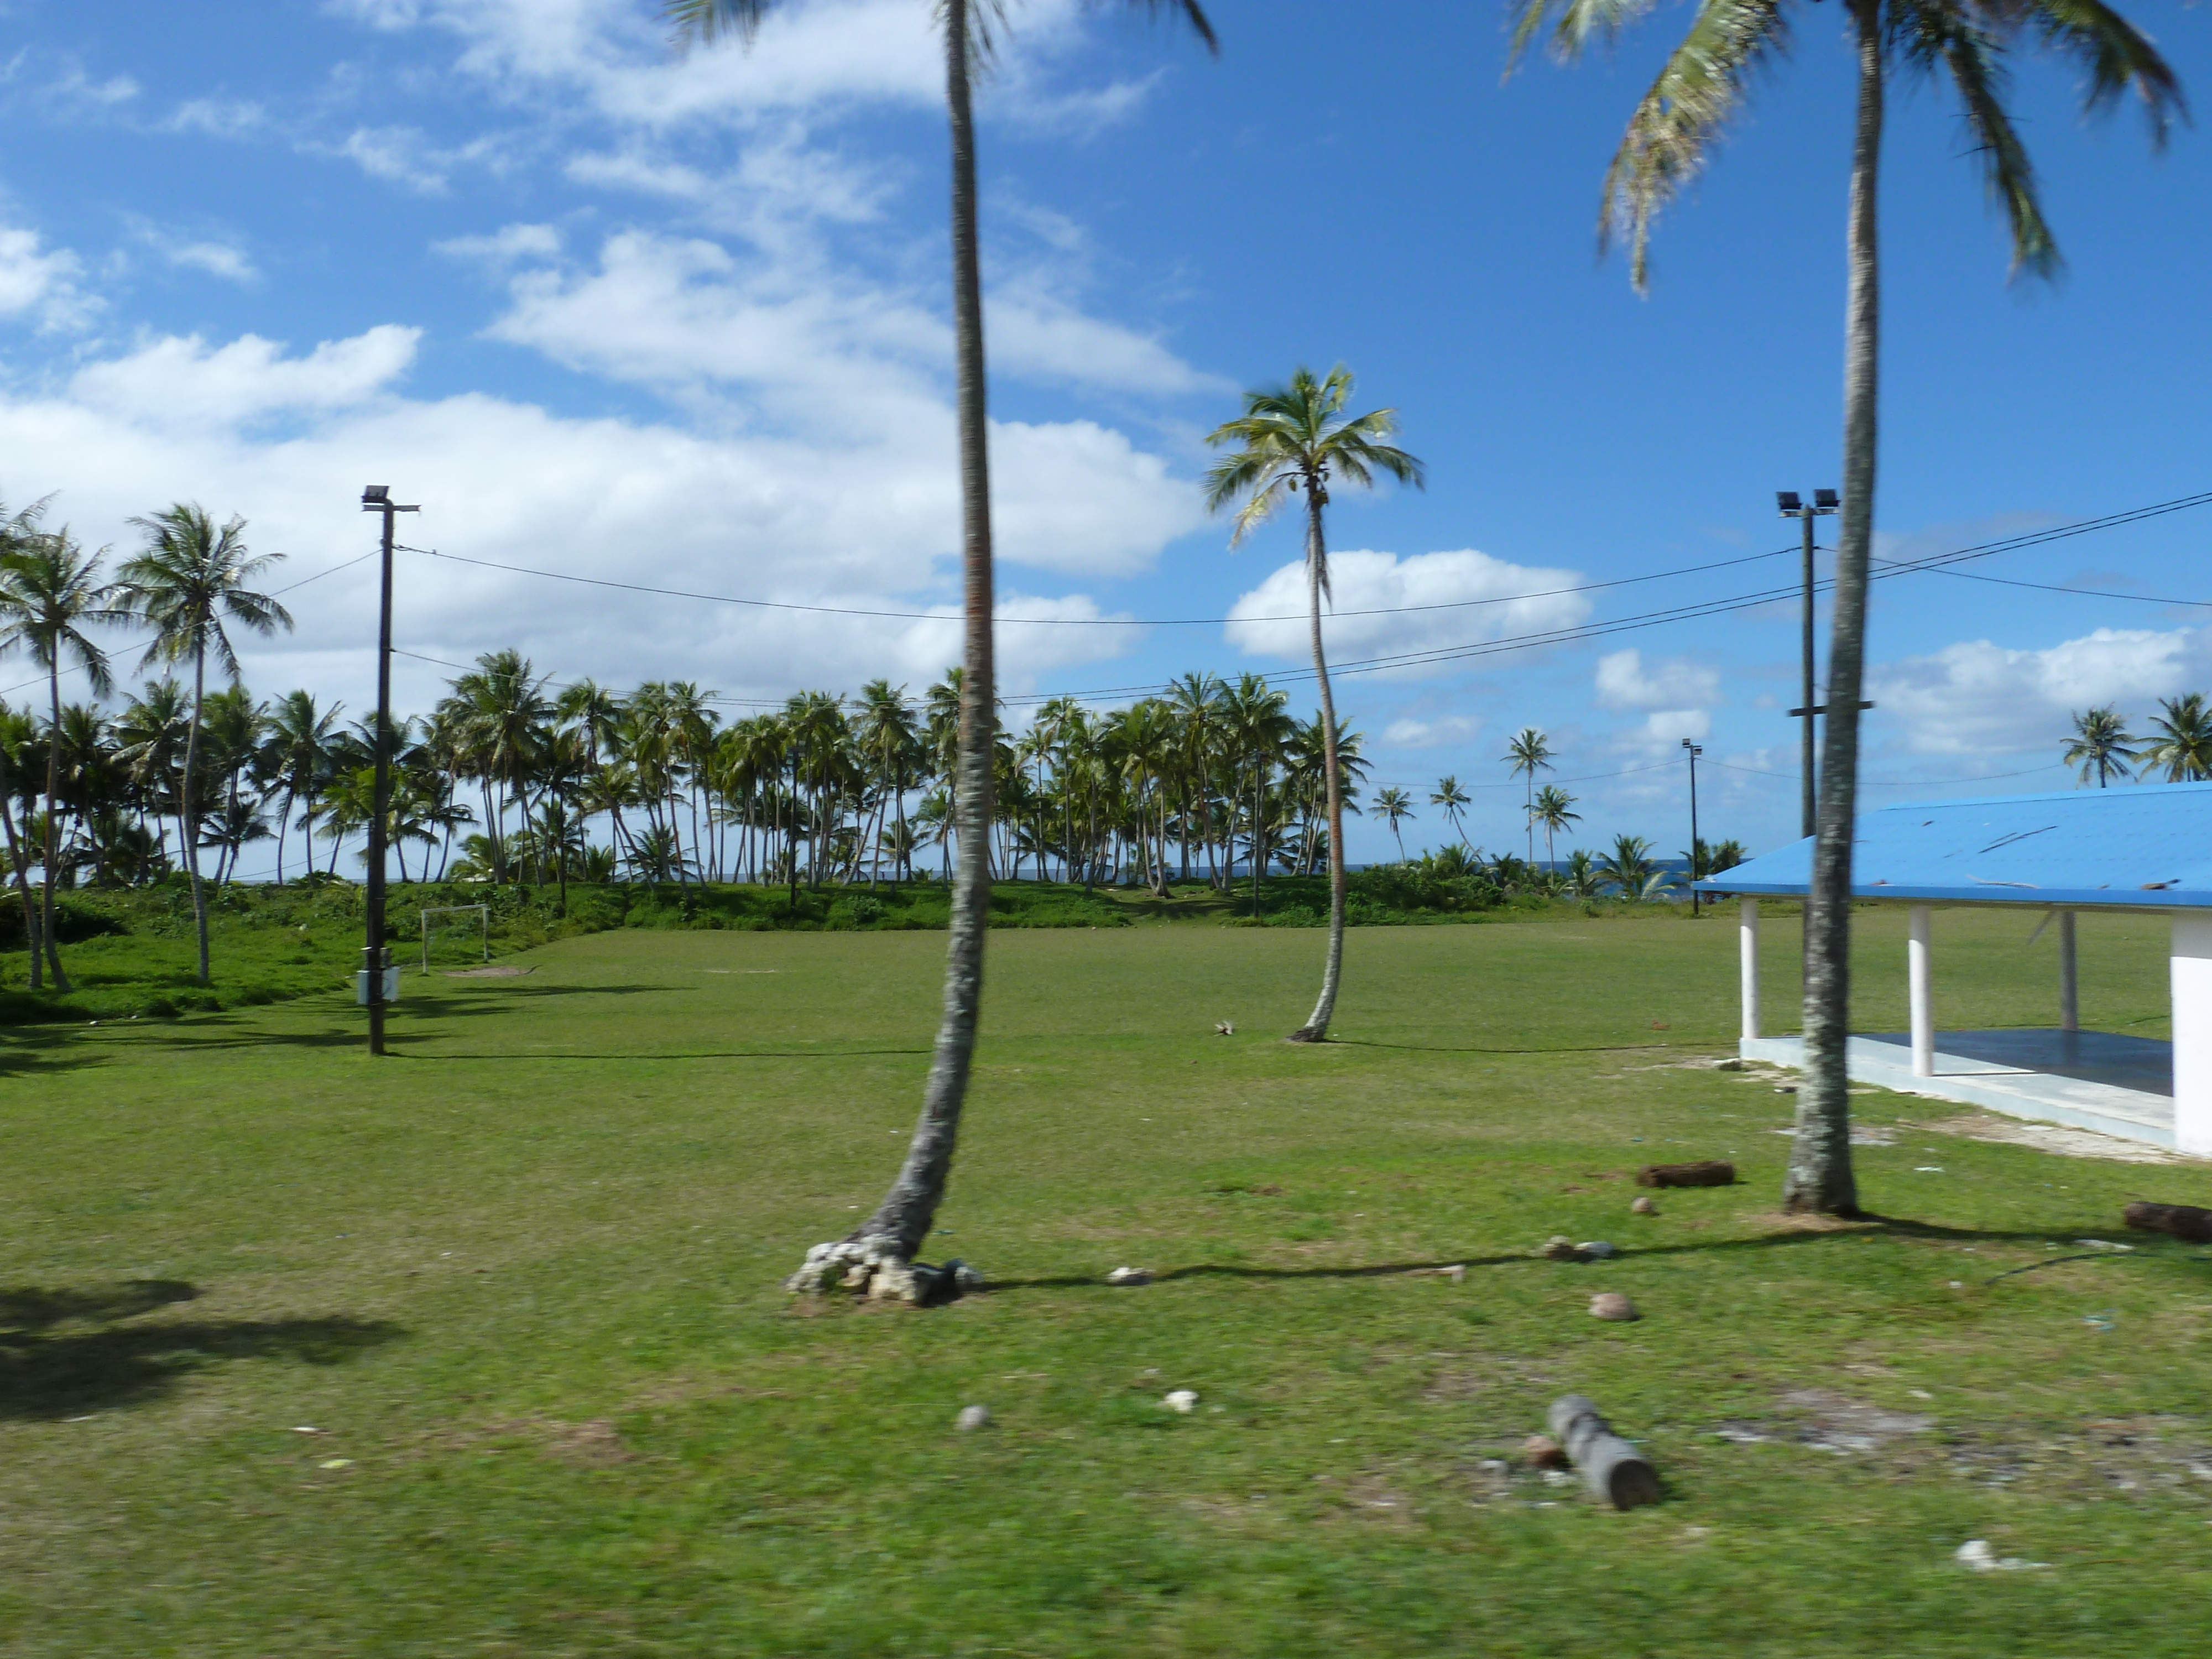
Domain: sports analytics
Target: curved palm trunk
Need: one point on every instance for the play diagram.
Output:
(50, 849)
(17, 856)
(1819, 1173)
(1315, 1029)
(880, 1250)
(190, 824)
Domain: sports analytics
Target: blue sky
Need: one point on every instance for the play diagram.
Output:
(682, 323)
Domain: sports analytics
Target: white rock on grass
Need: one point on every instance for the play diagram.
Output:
(1128, 1276)
(1597, 1249)
(972, 1418)
(1976, 1554)
(1181, 1399)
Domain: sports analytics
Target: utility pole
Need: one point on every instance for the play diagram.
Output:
(1824, 501)
(1695, 751)
(377, 498)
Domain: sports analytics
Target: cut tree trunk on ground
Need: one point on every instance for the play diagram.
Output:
(2183, 1221)
(1615, 1469)
(1706, 1172)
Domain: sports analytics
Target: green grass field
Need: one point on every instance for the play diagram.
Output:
(522, 1281)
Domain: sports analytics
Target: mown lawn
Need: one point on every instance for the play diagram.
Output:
(521, 1280)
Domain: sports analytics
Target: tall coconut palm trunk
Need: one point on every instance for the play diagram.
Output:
(18, 855)
(1315, 1029)
(882, 1248)
(188, 817)
(1819, 1173)
(50, 848)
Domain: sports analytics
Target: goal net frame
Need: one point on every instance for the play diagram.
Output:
(483, 915)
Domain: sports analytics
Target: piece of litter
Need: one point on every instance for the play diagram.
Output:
(1456, 1272)
(302, 1428)
(1927, 1168)
(2102, 1321)
(1976, 1554)
(1920, 1394)
(2101, 1244)
(337, 1463)
(1128, 1276)
(1181, 1399)
(972, 1418)
(87, 1418)
(1598, 1250)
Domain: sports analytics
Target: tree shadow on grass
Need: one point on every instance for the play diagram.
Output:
(1865, 1226)
(29, 1052)
(63, 1353)
(710, 1053)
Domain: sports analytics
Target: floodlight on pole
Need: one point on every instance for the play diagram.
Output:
(375, 960)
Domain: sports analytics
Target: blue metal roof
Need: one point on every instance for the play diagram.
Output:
(2149, 845)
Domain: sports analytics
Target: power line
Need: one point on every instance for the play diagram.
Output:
(140, 645)
(1080, 621)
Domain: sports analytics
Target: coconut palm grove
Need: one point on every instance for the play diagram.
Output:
(644, 1064)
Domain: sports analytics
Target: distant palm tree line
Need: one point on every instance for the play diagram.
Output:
(507, 778)
(2178, 744)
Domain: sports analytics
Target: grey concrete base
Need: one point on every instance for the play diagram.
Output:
(2116, 1085)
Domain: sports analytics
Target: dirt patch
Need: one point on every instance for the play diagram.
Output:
(2052, 1138)
(489, 971)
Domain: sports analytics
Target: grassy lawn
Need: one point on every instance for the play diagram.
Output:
(521, 1278)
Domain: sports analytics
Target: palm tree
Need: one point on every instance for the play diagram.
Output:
(297, 754)
(187, 583)
(1553, 807)
(1673, 129)
(50, 589)
(1455, 800)
(886, 1241)
(1628, 867)
(1396, 806)
(18, 734)
(1292, 440)
(1528, 754)
(2101, 746)
(2182, 738)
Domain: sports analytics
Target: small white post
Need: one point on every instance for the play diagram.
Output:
(2191, 966)
(2069, 992)
(1924, 1011)
(1746, 937)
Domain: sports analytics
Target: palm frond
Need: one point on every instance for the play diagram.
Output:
(1580, 22)
(1942, 33)
(1697, 92)
(707, 21)
(2117, 55)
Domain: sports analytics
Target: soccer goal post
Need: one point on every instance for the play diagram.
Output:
(484, 920)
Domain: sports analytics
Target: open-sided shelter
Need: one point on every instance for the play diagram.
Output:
(2139, 847)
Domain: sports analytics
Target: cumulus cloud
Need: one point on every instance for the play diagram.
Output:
(41, 284)
(288, 438)
(1411, 733)
(1978, 698)
(1624, 681)
(1384, 606)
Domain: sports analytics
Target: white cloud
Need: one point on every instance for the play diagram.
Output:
(215, 257)
(872, 524)
(175, 381)
(36, 283)
(1481, 599)
(509, 246)
(219, 118)
(1978, 698)
(1666, 727)
(1624, 681)
(1432, 733)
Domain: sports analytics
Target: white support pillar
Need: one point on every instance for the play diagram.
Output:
(2191, 965)
(2069, 989)
(1924, 1008)
(1746, 937)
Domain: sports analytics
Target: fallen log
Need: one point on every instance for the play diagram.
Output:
(1705, 1172)
(2183, 1221)
(1613, 1469)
